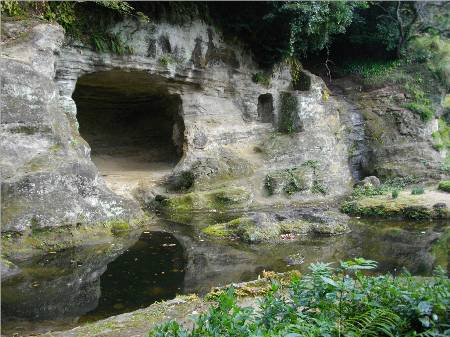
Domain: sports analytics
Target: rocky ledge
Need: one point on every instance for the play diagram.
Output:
(428, 203)
(274, 226)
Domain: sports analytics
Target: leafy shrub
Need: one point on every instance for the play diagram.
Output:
(424, 110)
(11, 8)
(166, 59)
(434, 50)
(395, 194)
(341, 301)
(416, 190)
(388, 186)
(441, 138)
(369, 191)
(261, 78)
(444, 185)
(372, 72)
(85, 21)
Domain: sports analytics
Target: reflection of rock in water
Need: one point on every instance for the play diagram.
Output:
(213, 263)
(150, 270)
(56, 286)
(101, 280)
(105, 280)
(396, 248)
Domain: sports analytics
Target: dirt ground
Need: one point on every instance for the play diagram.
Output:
(122, 174)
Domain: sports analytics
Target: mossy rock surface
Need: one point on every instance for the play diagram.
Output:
(444, 186)
(267, 227)
(431, 204)
(43, 240)
(288, 181)
(181, 207)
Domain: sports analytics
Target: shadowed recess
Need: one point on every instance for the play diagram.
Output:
(130, 116)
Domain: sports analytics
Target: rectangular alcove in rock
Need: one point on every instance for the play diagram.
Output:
(133, 125)
(265, 108)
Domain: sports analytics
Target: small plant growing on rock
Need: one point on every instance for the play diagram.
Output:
(425, 111)
(444, 186)
(166, 59)
(395, 194)
(417, 190)
(261, 78)
(293, 184)
(319, 188)
(269, 184)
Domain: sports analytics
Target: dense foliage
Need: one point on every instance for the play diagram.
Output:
(84, 21)
(272, 30)
(341, 301)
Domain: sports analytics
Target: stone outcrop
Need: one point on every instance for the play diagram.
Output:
(393, 141)
(277, 226)
(278, 144)
(47, 174)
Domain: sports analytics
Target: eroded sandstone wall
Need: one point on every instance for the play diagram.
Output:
(48, 177)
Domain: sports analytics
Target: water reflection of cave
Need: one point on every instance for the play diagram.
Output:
(130, 120)
(150, 270)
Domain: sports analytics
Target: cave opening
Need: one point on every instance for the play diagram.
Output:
(132, 123)
(265, 108)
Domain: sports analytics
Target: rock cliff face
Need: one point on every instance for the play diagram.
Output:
(227, 124)
(47, 176)
(388, 140)
(186, 96)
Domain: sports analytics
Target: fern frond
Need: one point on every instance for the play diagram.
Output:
(375, 322)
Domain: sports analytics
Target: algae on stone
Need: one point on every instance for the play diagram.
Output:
(405, 205)
(262, 227)
(181, 207)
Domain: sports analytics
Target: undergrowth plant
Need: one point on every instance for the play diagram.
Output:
(417, 190)
(392, 185)
(88, 22)
(331, 301)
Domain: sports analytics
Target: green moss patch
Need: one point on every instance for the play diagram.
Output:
(444, 186)
(59, 238)
(405, 205)
(262, 228)
(288, 120)
(181, 207)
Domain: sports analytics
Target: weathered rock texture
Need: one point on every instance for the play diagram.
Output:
(278, 144)
(388, 140)
(47, 176)
(229, 121)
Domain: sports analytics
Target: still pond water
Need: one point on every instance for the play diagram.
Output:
(65, 289)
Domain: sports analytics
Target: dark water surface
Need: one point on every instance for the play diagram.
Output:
(61, 290)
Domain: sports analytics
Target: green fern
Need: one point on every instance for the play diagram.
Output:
(375, 322)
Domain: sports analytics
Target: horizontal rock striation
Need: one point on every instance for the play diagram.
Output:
(231, 124)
